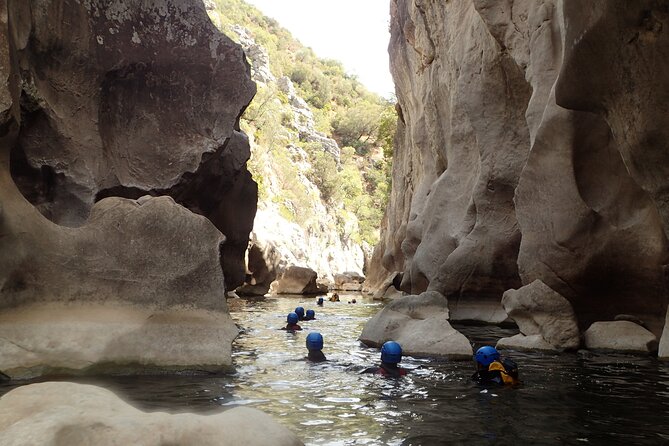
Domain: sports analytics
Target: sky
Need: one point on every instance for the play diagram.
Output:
(354, 32)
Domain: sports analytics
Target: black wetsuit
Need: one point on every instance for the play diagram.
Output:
(316, 356)
(386, 369)
(498, 372)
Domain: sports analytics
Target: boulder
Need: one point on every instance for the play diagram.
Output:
(539, 310)
(81, 415)
(297, 280)
(522, 342)
(131, 289)
(420, 325)
(620, 336)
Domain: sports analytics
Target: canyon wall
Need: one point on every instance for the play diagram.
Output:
(119, 126)
(532, 145)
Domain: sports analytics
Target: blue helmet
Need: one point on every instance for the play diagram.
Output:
(311, 314)
(300, 312)
(391, 352)
(314, 341)
(293, 318)
(486, 355)
(320, 301)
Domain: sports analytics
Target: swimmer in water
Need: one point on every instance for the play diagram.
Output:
(315, 347)
(334, 298)
(391, 355)
(492, 369)
(300, 313)
(319, 301)
(292, 323)
(310, 316)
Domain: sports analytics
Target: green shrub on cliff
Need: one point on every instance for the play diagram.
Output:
(362, 123)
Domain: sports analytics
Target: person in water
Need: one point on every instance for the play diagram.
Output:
(310, 316)
(492, 369)
(315, 347)
(319, 301)
(391, 356)
(300, 313)
(292, 325)
(334, 298)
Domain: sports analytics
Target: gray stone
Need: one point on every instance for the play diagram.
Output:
(81, 415)
(539, 310)
(620, 336)
(420, 325)
(522, 342)
(297, 280)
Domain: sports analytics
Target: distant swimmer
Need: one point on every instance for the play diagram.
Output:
(334, 298)
(391, 356)
(352, 301)
(315, 347)
(300, 312)
(292, 322)
(319, 301)
(492, 369)
(310, 316)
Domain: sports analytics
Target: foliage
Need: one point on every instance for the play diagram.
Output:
(361, 122)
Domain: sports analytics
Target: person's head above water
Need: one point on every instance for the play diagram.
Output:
(314, 341)
(320, 301)
(311, 314)
(300, 312)
(391, 352)
(486, 355)
(293, 318)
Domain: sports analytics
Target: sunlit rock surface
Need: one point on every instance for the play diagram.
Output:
(297, 280)
(531, 146)
(420, 325)
(115, 99)
(82, 415)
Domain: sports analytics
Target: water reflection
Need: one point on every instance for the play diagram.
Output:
(565, 399)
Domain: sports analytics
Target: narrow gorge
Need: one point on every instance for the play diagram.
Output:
(177, 175)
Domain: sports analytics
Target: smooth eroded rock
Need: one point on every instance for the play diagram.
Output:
(539, 310)
(420, 325)
(297, 280)
(622, 336)
(81, 415)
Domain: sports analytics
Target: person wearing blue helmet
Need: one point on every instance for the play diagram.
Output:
(391, 355)
(310, 316)
(300, 312)
(492, 369)
(292, 320)
(320, 301)
(315, 347)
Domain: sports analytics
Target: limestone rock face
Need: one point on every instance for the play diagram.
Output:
(519, 158)
(538, 310)
(622, 336)
(420, 325)
(129, 99)
(81, 415)
(132, 100)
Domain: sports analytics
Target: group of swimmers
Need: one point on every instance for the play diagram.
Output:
(491, 368)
